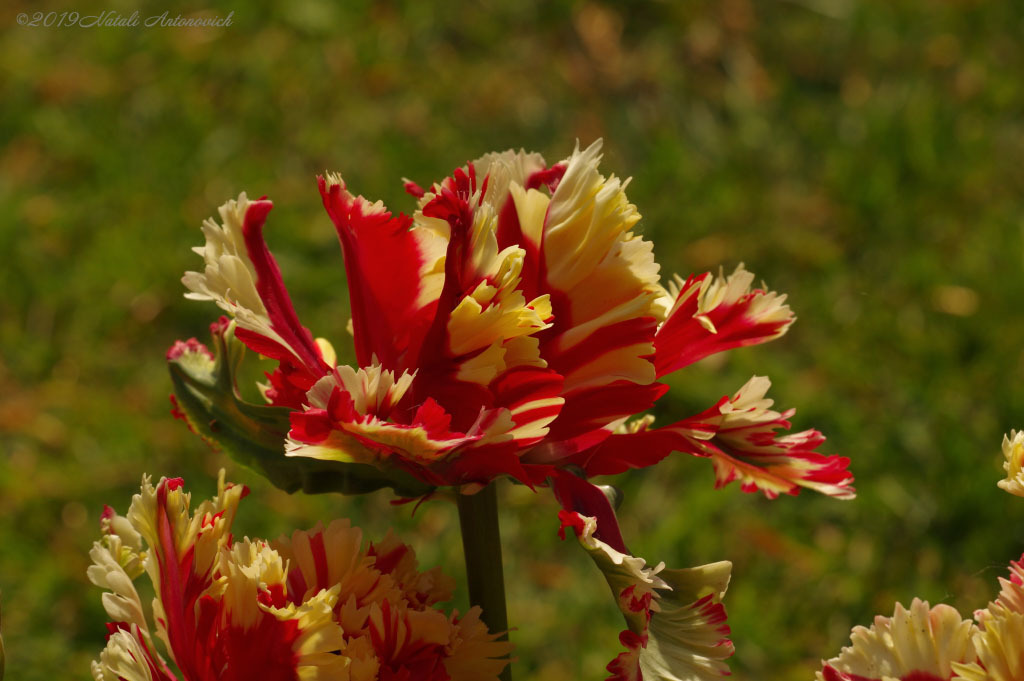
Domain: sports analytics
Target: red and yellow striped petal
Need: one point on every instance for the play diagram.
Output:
(348, 419)
(322, 558)
(745, 447)
(484, 324)
(603, 283)
(676, 622)
(398, 561)
(316, 606)
(243, 278)
(392, 274)
(739, 435)
(712, 314)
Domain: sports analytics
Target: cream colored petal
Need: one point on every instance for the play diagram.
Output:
(123, 659)
(1000, 650)
(1013, 452)
(921, 639)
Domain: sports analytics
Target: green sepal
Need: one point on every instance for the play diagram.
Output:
(254, 435)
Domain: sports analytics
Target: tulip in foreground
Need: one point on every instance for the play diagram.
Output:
(317, 605)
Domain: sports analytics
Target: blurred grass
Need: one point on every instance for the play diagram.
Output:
(863, 157)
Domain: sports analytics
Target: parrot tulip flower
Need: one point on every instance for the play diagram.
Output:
(514, 325)
(510, 327)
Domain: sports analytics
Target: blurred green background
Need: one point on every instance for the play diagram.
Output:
(866, 158)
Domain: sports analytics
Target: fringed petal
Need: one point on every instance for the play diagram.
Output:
(243, 278)
(181, 562)
(604, 289)
(511, 325)
(484, 325)
(1013, 452)
(712, 314)
(745, 447)
(121, 602)
(739, 435)
(128, 657)
(321, 558)
(316, 606)
(348, 420)
(397, 560)
(919, 644)
(473, 652)
(1000, 650)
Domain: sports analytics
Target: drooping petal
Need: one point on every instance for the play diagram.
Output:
(711, 314)
(739, 435)
(632, 581)
(919, 644)
(1013, 452)
(676, 622)
(688, 635)
(746, 447)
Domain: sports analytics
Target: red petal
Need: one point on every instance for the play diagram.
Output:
(682, 339)
(383, 262)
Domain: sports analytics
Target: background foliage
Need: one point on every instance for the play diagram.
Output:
(864, 157)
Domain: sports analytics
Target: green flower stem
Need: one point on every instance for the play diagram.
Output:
(481, 545)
